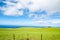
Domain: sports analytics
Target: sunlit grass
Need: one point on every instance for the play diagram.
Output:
(30, 34)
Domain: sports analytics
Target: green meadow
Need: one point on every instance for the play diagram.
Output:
(29, 33)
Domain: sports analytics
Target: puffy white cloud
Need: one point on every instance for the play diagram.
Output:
(16, 8)
(12, 9)
(48, 5)
(13, 6)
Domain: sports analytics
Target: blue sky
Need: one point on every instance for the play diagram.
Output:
(30, 12)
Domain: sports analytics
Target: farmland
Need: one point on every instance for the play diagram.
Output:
(29, 33)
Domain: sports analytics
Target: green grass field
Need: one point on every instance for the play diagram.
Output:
(29, 33)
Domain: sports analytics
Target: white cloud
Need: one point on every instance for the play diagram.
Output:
(12, 9)
(50, 6)
(31, 23)
(46, 22)
(54, 21)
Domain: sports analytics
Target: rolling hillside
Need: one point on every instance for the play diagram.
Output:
(29, 33)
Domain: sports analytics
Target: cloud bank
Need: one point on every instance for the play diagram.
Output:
(12, 6)
(37, 10)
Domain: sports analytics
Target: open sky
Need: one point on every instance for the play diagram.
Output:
(30, 12)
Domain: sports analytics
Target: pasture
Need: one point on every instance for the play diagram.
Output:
(29, 33)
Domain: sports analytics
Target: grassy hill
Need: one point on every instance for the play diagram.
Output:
(29, 33)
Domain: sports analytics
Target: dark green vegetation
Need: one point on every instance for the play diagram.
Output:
(29, 33)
